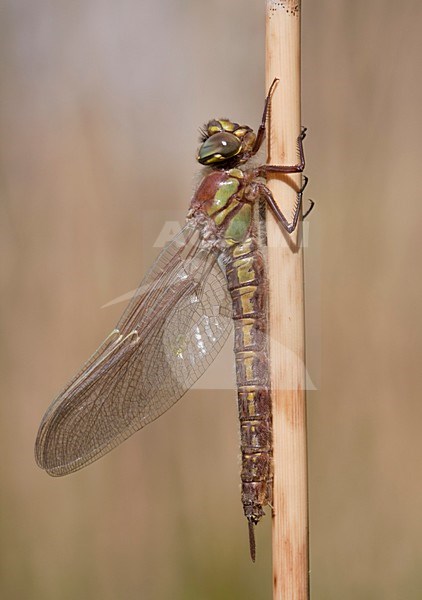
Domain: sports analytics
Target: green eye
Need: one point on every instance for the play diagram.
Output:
(218, 148)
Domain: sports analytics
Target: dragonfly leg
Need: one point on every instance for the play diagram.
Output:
(262, 128)
(311, 205)
(263, 170)
(289, 227)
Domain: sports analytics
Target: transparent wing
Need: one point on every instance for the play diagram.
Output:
(169, 334)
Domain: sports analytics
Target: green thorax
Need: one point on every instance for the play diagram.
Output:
(221, 197)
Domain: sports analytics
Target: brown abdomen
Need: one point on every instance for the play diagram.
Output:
(247, 282)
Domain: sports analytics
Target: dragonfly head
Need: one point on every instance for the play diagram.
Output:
(225, 143)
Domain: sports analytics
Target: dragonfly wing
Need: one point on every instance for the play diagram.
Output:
(169, 334)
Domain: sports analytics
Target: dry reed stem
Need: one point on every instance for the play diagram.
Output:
(290, 501)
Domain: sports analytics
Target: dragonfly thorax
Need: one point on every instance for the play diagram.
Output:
(225, 143)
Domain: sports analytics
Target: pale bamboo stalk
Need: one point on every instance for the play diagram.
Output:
(287, 347)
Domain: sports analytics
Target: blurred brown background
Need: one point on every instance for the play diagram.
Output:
(101, 103)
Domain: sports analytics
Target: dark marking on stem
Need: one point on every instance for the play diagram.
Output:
(291, 7)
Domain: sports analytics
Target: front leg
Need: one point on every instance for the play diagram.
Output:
(289, 227)
(262, 128)
(265, 169)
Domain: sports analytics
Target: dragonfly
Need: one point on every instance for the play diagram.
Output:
(211, 276)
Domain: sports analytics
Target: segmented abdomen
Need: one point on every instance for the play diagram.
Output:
(247, 282)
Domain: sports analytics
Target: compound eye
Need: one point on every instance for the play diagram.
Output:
(218, 148)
